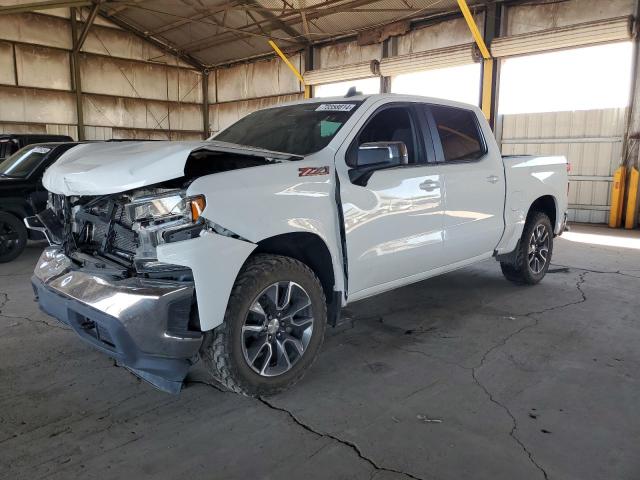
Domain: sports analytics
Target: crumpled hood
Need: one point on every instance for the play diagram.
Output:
(113, 167)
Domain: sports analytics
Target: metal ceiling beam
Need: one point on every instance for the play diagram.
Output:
(165, 47)
(303, 12)
(216, 40)
(87, 25)
(30, 7)
(50, 4)
(274, 20)
(178, 23)
(119, 8)
(289, 18)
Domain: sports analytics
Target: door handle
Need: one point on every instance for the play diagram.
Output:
(492, 179)
(429, 186)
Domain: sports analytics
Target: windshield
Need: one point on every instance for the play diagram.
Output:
(298, 129)
(22, 163)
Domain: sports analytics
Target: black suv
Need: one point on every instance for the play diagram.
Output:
(12, 142)
(22, 194)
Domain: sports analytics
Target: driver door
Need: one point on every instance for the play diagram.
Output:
(393, 215)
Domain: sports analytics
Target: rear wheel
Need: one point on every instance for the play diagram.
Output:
(13, 237)
(535, 248)
(273, 327)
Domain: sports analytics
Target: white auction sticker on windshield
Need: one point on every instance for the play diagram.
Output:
(335, 107)
(41, 150)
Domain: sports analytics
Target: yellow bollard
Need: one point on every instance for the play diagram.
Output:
(631, 216)
(617, 197)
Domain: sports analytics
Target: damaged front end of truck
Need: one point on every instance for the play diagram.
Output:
(122, 266)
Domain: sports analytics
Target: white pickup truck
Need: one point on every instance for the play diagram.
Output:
(240, 249)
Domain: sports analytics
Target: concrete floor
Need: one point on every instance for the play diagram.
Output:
(462, 376)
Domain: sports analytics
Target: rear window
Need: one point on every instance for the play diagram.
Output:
(459, 133)
(22, 163)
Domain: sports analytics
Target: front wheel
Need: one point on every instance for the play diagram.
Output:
(534, 252)
(13, 237)
(273, 328)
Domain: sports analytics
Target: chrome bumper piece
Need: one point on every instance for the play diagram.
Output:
(142, 323)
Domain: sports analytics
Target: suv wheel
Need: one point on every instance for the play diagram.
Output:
(273, 328)
(534, 252)
(13, 237)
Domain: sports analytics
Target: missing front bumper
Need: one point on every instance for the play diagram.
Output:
(141, 323)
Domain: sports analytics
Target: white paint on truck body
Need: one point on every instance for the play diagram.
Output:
(407, 224)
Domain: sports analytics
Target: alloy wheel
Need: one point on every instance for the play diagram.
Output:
(9, 238)
(277, 329)
(538, 253)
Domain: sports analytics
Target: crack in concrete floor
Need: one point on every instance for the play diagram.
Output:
(4, 299)
(352, 445)
(4, 302)
(502, 343)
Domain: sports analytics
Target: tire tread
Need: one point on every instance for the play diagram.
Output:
(217, 346)
(518, 272)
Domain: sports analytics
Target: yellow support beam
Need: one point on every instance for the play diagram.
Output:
(617, 197)
(295, 71)
(487, 75)
(487, 82)
(631, 216)
(477, 36)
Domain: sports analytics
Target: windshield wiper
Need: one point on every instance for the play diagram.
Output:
(7, 175)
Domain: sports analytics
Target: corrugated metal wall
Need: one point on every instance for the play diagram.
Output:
(345, 53)
(537, 16)
(448, 33)
(245, 88)
(131, 88)
(591, 140)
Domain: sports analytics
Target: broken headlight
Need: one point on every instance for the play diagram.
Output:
(168, 217)
(166, 207)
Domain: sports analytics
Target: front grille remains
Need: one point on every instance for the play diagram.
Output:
(103, 226)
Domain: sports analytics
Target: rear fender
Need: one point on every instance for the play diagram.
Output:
(528, 179)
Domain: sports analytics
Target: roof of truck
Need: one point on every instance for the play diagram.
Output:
(386, 96)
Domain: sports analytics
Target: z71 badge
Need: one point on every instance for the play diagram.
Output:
(312, 171)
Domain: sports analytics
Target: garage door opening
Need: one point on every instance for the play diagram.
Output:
(589, 78)
(572, 103)
(460, 83)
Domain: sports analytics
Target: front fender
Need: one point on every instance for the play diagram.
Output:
(263, 202)
(215, 261)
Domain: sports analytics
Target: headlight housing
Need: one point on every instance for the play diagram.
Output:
(166, 207)
(161, 218)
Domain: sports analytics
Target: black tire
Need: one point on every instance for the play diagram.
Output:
(13, 237)
(224, 348)
(521, 271)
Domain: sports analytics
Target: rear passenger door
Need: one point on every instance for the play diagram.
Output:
(474, 185)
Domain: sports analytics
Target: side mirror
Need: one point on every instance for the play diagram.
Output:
(382, 154)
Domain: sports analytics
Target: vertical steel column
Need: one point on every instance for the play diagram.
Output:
(205, 104)
(487, 66)
(490, 70)
(308, 65)
(75, 70)
(631, 145)
(385, 82)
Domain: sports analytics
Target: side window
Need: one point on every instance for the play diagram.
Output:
(459, 133)
(391, 125)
